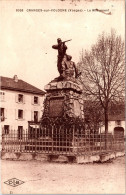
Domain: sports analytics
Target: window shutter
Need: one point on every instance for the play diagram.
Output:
(38, 100)
(5, 113)
(16, 98)
(42, 109)
(16, 114)
(24, 99)
(32, 115)
(24, 114)
(39, 116)
(32, 99)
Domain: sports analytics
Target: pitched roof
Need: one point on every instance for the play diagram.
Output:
(19, 85)
(117, 112)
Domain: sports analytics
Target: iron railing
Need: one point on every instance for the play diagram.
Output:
(60, 140)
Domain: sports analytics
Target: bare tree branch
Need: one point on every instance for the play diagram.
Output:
(103, 71)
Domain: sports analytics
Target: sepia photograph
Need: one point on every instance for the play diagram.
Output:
(62, 97)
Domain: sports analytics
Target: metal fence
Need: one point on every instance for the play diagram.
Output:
(60, 140)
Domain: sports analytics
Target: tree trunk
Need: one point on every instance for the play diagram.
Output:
(106, 128)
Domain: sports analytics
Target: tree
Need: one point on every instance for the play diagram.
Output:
(92, 113)
(103, 72)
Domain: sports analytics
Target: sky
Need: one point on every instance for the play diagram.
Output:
(26, 38)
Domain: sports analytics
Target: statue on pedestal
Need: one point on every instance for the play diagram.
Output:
(63, 114)
(61, 47)
(67, 68)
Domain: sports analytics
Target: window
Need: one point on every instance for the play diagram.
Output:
(2, 96)
(36, 116)
(118, 122)
(20, 132)
(6, 129)
(35, 100)
(2, 114)
(20, 98)
(20, 114)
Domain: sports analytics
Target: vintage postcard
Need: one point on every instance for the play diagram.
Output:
(62, 96)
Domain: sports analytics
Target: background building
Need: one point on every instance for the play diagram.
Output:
(94, 116)
(116, 117)
(21, 103)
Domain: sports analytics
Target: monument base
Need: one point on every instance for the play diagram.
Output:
(63, 99)
(63, 116)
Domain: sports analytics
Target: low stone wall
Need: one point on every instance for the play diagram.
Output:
(80, 159)
(99, 157)
(23, 156)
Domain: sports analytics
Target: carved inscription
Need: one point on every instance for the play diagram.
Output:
(56, 107)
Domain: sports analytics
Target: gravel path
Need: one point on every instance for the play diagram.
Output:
(54, 178)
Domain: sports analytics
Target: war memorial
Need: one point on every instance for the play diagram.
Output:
(64, 94)
(62, 135)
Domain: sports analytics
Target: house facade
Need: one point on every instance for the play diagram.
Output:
(116, 117)
(116, 123)
(114, 126)
(21, 103)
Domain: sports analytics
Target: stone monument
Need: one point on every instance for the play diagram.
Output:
(64, 93)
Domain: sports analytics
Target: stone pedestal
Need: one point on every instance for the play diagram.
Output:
(63, 99)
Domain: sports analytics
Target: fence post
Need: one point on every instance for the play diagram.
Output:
(11, 141)
(14, 140)
(100, 140)
(52, 138)
(35, 138)
(23, 140)
(27, 139)
(3, 139)
(114, 143)
(89, 142)
(73, 137)
(20, 137)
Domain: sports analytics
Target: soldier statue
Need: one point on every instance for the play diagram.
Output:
(61, 47)
(69, 67)
(66, 67)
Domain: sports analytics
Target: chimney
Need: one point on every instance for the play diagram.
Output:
(15, 78)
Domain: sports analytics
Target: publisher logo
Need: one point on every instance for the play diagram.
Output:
(14, 182)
